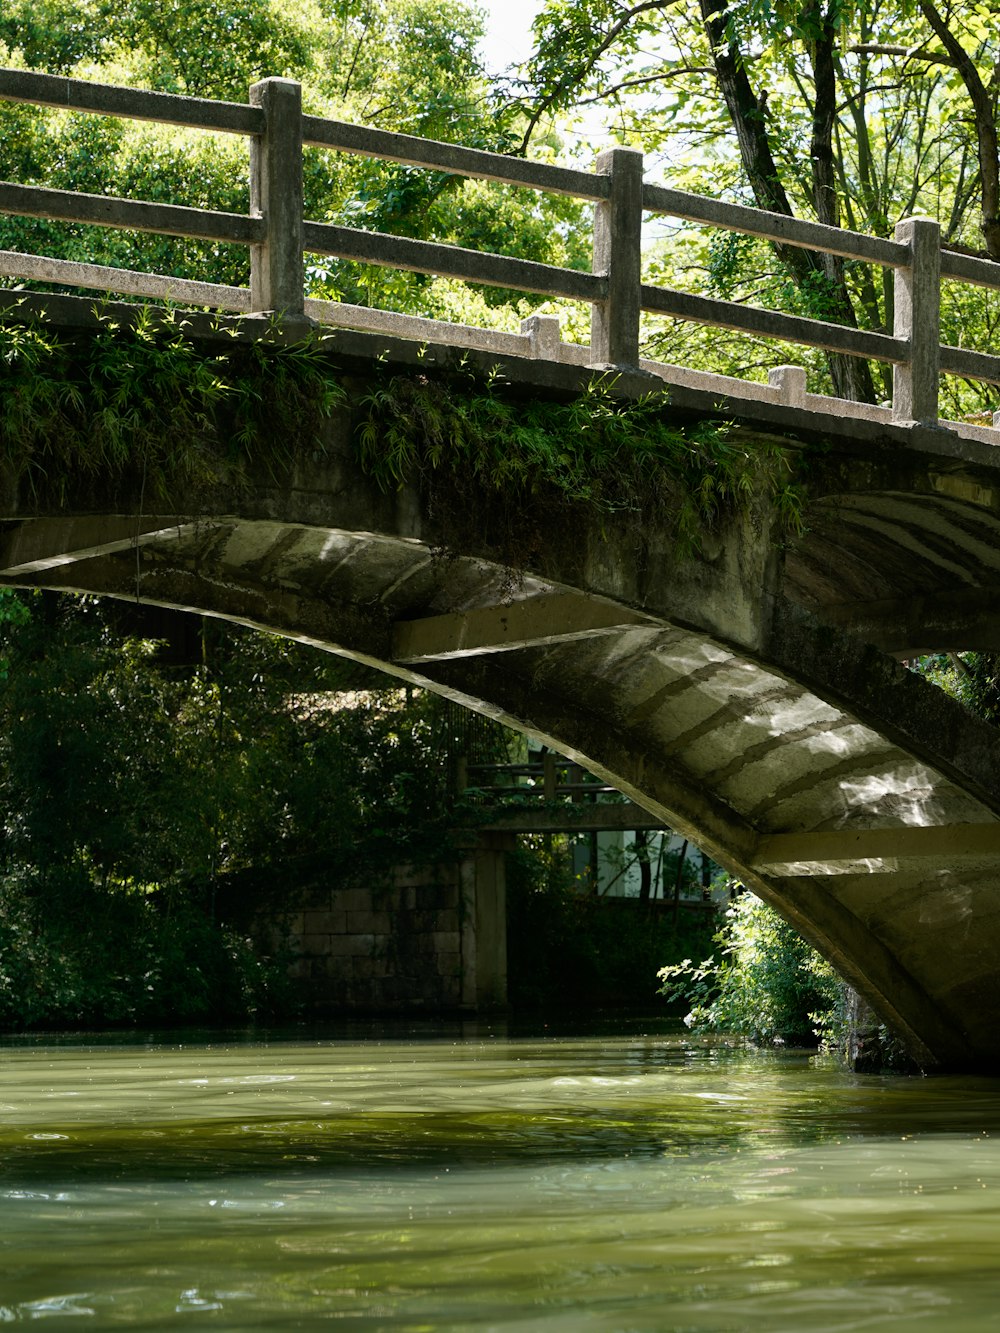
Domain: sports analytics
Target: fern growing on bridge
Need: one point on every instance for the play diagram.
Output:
(165, 403)
(598, 450)
(150, 401)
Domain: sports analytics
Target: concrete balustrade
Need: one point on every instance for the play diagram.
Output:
(917, 305)
(614, 330)
(276, 269)
(278, 235)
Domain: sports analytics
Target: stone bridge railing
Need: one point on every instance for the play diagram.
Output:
(278, 235)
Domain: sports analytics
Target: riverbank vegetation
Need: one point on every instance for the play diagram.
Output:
(151, 808)
(762, 982)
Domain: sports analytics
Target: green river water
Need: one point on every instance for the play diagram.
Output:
(640, 1182)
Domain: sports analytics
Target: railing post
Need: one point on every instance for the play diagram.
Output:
(614, 327)
(542, 332)
(790, 381)
(917, 304)
(548, 776)
(276, 269)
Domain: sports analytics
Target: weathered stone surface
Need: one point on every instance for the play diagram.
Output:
(372, 953)
(352, 900)
(319, 923)
(374, 923)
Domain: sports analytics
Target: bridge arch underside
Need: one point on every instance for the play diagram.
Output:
(904, 555)
(884, 859)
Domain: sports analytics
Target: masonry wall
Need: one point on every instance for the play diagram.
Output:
(431, 940)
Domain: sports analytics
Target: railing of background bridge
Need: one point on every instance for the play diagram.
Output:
(278, 235)
(546, 777)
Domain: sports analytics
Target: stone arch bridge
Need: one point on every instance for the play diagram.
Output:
(749, 696)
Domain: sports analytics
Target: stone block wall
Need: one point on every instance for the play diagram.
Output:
(431, 940)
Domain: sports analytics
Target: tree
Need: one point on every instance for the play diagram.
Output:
(968, 38)
(202, 47)
(405, 65)
(767, 984)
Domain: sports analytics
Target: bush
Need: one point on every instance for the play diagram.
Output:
(80, 956)
(768, 984)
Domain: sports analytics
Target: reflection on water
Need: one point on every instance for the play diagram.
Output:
(620, 1184)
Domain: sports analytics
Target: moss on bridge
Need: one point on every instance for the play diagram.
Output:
(150, 402)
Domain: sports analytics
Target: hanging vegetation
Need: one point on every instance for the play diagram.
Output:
(597, 451)
(148, 401)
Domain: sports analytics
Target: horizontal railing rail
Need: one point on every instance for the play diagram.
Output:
(278, 236)
(548, 778)
(130, 214)
(773, 324)
(777, 227)
(412, 151)
(105, 99)
(451, 261)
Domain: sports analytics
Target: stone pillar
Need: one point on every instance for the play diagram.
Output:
(790, 381)
(614, 327)
(277, 275)
(542, 332)
(917, 318)
(484, 922)
(869, 1048)
(433, 940)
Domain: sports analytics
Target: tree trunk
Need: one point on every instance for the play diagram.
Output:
(987, 142)
(851, 376)
(645, 868)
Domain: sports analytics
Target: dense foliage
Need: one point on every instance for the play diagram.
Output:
(972, 678)
(855, 113)
(763, 982)
(148, 403)
(547, 460)
(149, 810)
(157, 802)
(407, 65)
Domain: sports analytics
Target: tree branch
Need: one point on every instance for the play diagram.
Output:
(577, 75)
(851, 378)
(661, 77)
(986, 129)
(907, 52)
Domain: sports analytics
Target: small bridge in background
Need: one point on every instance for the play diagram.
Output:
(748, 696)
